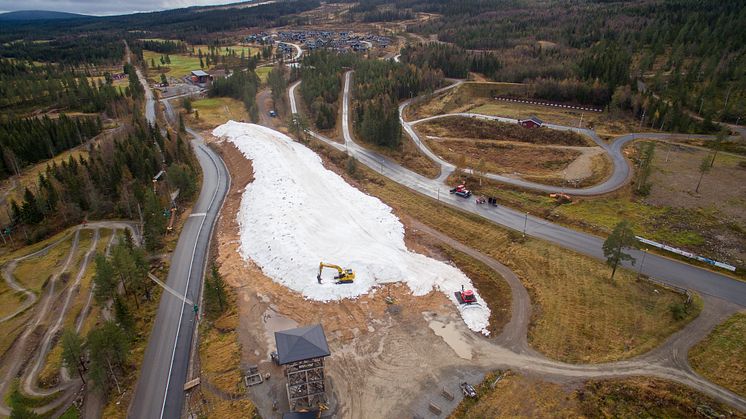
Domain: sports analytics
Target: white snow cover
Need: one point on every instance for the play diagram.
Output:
(296, 213)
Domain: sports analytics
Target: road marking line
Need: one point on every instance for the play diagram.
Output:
(198, 214)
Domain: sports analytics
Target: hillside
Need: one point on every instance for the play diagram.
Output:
(27, 15)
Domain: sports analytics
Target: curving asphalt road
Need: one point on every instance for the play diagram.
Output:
(159, 392)
(619, 177)
(668, 271)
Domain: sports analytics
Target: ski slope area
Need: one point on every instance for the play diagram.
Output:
(296, 213)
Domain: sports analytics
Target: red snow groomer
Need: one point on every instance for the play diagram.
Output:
(466, 297)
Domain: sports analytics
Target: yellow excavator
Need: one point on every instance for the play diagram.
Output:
(344, 276)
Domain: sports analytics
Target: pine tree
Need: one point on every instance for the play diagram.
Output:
(215, 295)
(105, 285)
(123, 315)
(108, 348)
(620, 238)
(72, 352)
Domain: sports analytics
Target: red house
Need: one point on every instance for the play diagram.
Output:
(532, 122)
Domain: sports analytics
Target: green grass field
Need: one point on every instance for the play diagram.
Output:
(263, 73)
(229, 49)
(181, 65)
(217, 111)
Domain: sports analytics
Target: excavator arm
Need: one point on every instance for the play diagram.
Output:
(344, 276)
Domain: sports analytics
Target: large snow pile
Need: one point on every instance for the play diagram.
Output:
(296, 214)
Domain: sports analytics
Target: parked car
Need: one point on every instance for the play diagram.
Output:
(468, 390)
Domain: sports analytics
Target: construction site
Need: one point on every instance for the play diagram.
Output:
(390, 293)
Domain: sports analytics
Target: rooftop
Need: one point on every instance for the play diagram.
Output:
(199, 73)
(301, 343)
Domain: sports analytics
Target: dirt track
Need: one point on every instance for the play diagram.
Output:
(26, 356)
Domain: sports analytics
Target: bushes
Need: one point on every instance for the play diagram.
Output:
(463, 127)
(679, 311)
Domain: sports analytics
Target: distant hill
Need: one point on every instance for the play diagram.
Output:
(37, 15)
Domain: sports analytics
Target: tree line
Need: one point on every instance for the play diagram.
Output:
(24, 85)
(114, 180)
(322, 83)
(68, 50)
(24, 142)
(164, 46)
(378, 87)
(454, 61)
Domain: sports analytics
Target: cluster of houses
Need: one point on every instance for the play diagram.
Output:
(342, 41)
(261, 38)
(285, 49)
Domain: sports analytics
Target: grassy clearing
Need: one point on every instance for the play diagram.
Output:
(120, 84)
(263, 73)
(580, 315)
(12, 329)
(228, 50)
(603, 123)
(634, 397)
(220, 359)
(504, 158)
(216, 111)
(10, 300)
(648, 397)
(181, 65)
(49, 375)
(721, 357)
(517, 396)
(33, 273)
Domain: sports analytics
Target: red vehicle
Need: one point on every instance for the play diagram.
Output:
(466, 296)
(461, 191)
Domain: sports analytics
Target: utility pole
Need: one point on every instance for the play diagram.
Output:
(726, 98)
(644, 253)
(580, 124)
(643, 117)
(525, 223)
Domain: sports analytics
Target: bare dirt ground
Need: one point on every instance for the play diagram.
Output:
(676, 176)
(372, 342)
(717, 210)
(573, 164)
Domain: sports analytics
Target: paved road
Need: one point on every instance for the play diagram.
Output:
(159, 392)
(621, 172)
(663, 269)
